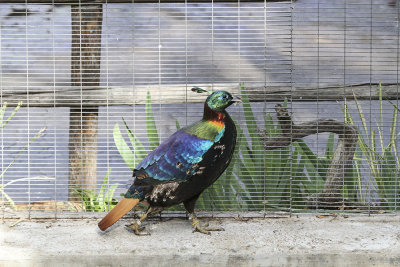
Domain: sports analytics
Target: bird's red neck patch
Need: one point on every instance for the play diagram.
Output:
(215, 117)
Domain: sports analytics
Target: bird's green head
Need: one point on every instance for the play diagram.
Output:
(220, 100)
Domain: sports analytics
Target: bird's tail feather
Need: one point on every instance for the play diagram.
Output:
(122, 208)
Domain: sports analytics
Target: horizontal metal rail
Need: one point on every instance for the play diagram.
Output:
(127, 1)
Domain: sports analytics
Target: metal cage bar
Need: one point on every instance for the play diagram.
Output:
(134, 62)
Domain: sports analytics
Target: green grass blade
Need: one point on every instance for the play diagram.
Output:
(227, 180)
(277, 165)
(109, 200)
(101, 195)
(151, 128)
(380, 128)
(244, 148)
(218, 194)
(251, 123)
(298, 182)
(389, 166)
(87, 198)
(250, 185)
(123, 148)
(390, 171)
(33, 139)
(285, 102)
(7, 197)
(358, 163)
(3, 109)
(138, 149)
(241, 198)
(345, 109)
(361, 113)
(316, 165)
(2, 112)
(243, 175)
(394, 105)
(310, 161)
(200, 203)
(353, 180)
(270, 126)
(393, 135)
(329, 149)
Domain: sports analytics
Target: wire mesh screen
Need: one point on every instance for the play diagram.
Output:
(88, 90)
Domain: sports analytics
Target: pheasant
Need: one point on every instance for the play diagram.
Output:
(183, 166)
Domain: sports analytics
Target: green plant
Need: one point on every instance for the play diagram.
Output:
(3, 112)
(101, 201)
(256, 179)
(133, 155)
(275, 179)
(383, 163)
(3, 123)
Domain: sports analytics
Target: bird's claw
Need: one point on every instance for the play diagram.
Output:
(137, 229)
(205, 229)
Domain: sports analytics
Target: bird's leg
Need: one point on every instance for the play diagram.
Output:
(204, 229)
(136, 225)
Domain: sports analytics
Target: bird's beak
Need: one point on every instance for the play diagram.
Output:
(235, 100)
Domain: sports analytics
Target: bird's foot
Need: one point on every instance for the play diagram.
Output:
(204, 229)
(137, 228)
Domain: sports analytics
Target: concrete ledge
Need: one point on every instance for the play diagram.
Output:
(297, 241)
(348, 259)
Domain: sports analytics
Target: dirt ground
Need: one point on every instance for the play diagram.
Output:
(300, 240)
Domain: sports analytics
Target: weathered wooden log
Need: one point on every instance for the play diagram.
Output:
(94, 96)
(85, 71)
(330, 197)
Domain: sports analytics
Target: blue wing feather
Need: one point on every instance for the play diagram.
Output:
(175, 157)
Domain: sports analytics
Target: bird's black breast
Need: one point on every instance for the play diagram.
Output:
(209, 169)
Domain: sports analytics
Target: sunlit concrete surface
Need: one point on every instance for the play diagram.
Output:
(303, 240)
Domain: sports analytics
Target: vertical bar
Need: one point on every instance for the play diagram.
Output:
(318, 80)
(85, 71)
(212, 46)
(397, 104)
(291, 103)
(264, 176)
(108, 169)
(27, 107)
(133, 68)
(344, 82)
(1, 105)
(370, 96)
(54, 107)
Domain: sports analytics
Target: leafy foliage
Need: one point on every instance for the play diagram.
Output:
(269, 179)
(3, 123)
(101, 201)
(383, 163)
(259, 179)
(256, 179)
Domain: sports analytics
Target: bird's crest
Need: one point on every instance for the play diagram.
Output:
(200, 90)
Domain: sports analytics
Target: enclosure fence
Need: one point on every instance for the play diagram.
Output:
(88, 88)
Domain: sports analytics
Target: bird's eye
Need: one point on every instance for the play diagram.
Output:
(224, 96)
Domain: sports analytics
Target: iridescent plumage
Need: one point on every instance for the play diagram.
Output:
(189, 161)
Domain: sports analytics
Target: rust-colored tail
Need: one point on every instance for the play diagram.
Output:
(122, 208)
